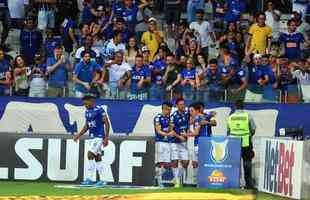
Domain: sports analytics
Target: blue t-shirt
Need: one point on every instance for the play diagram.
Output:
(239, 74)
(180, 122)
(255, 73)
(85, 72)
(203, 132)
(4, 68)
(87, 17)
(128, 14)
(235, 10)
(292, 43)
(267, 69)
(41, 69)
(158, 68)
(214, 79)
(94, 119)
(136, 76)
(188, 74)
(164, 122)
(218, 6)
(30, 43)
(59, 77)
(67, 25)
(50, 45)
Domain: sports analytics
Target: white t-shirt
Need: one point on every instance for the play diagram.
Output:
(275, 25)
(303, 78)
(111, 48)
(204, 29)
(117, 71)
(17, 9)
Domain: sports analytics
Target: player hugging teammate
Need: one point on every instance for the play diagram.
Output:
(171, 134)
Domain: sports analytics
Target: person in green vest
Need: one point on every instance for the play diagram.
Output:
(242, 125)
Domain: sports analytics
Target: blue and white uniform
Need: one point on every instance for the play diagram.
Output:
(203, 132)
(181, 123)
(94, 119)
(163, 152)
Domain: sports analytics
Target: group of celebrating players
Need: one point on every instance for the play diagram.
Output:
(171, 134)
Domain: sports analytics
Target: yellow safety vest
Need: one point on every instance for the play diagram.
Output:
(239, 127)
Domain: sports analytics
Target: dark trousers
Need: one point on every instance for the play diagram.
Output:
(247, 155)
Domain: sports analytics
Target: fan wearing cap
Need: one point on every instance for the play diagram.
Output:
(152, 38)
(258, 79)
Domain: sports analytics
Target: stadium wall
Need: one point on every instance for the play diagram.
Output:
(58, 116)
(57, 158)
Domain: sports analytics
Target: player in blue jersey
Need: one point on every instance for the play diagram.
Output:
(200, 129)
(163, 138)
(179, 122)
(98, 126)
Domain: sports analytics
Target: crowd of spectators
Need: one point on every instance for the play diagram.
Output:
(212, 50)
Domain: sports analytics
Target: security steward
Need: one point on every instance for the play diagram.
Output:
(242, 125)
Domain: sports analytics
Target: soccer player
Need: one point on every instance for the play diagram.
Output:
(210, 120)
(179, 122)
(97, 123)
(200, 130)
(163, 138)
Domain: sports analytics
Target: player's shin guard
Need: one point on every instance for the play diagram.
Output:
(161, 171)
(91, 169)
(195, 171)
(100, 169)
(181, 174)
(175, 172)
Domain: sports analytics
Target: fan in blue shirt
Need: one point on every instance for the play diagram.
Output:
(5, 74)
(235, 8)
(51, 43)
(30, 40)
(292, 41)
(86, 73)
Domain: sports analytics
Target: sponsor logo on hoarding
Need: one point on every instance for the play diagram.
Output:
(217, 176)
(279, 163)
(219, 151)
(60, 159)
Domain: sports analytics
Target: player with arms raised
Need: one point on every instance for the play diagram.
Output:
(97, 123)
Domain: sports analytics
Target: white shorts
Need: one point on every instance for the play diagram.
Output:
(179, 151)
(96, 146)
(163, 152)
(195, 155)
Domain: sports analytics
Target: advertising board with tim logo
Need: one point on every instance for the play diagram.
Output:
(219, 162)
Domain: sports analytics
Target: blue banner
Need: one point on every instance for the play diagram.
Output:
(219, 162)
(66, 115)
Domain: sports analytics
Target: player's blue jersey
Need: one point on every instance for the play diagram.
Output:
(208, 116)
(180, 122)
(203, 132)
(94, 118)
(164, 122)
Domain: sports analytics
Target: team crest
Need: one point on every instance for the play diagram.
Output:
(219, 151)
